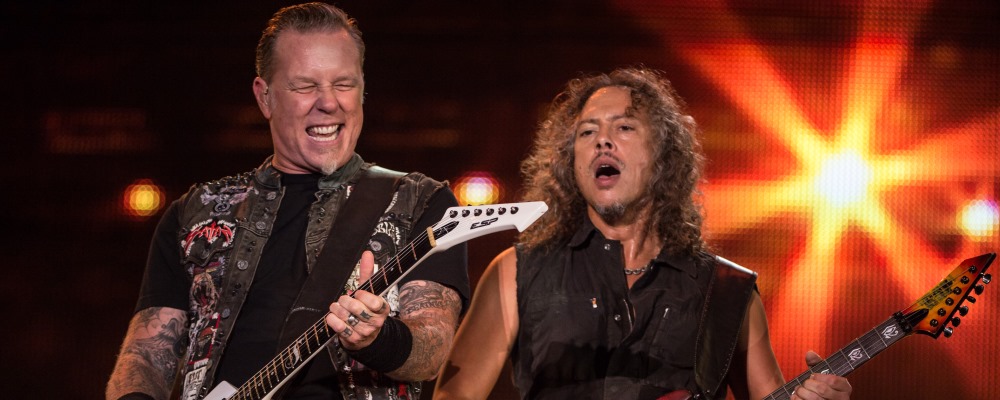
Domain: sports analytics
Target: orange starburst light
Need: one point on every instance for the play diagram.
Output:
(844, 185)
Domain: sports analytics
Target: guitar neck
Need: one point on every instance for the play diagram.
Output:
(459, 224)
(319, 334)
(856, 353)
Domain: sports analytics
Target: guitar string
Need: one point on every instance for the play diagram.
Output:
(284, 355)
(838, 361)
(873, 338)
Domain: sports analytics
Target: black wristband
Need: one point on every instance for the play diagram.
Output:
(136, 396)
(389, 350)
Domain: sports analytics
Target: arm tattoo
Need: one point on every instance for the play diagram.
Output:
(431, 312)
(150, 353)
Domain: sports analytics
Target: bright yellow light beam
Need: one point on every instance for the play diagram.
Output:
(757, 201)
(757, 88)
(877, 58)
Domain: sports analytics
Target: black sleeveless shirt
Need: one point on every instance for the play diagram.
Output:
(584, 334)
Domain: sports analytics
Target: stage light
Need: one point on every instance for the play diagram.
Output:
(476, 188)
(979, 218)
(843, 179)
(143, 198)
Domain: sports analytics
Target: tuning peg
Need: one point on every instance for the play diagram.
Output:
(963, 310)
(971, 299)
(987, 278)
(955, 321)
(948, 331)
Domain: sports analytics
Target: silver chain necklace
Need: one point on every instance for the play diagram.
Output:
(637, 271)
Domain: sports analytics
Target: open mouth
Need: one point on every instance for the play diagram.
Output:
(325, 132)
(606, 171)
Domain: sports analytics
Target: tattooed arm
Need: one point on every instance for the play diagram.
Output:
(431, 312)
(150, 354)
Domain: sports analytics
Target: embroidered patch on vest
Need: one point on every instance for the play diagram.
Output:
(225, 198)
(209, 230)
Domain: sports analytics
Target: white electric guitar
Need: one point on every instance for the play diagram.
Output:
(458, 225)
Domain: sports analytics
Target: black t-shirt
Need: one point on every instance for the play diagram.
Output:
(280, 275)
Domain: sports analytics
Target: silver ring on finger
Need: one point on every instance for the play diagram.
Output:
(352, 321)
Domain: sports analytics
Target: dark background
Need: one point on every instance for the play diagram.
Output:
(99, 94)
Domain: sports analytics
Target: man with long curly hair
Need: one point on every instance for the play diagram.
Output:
(612, 293)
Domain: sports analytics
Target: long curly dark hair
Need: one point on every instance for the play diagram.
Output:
(548, 170)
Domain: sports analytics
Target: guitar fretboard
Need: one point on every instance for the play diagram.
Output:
(850, 357)
(319, 334)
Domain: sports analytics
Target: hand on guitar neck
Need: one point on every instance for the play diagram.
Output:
(821, 386)
(818, 386)
(369, 311)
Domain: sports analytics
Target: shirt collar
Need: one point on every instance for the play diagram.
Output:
(587, 231)
(270, 176)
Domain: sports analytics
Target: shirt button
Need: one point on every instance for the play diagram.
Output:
(618, 317)
(242, 265)
(607, 246)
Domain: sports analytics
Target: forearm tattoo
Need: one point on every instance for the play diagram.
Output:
(150, 353)
(431, 312)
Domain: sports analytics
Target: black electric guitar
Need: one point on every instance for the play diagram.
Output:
(930, 315)
(458, 225)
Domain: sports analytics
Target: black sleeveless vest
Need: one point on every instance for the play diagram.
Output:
(584, 334)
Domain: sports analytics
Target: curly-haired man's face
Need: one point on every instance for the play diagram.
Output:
(612, 154)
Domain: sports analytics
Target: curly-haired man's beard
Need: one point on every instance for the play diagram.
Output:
(619, 213)
(612, 214)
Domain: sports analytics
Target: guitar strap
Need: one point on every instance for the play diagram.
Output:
(346, 241)
(721, 320)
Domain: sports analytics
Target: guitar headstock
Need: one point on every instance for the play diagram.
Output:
(933, 312)
(460, 224)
